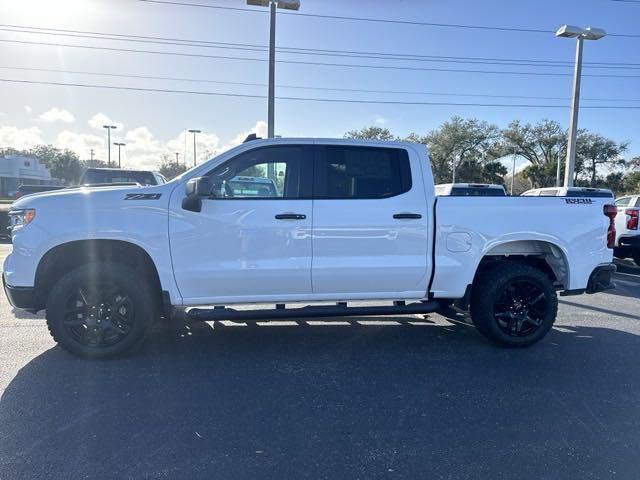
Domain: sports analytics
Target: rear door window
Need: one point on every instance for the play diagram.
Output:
(352, 172)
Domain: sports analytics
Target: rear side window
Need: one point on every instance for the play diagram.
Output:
(361, 172)
(623, 202)
(587, 193)
(548, 193)
(477, 192)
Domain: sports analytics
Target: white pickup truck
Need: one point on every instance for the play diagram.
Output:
(348, 221)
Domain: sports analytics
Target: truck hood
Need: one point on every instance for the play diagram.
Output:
(95, 196)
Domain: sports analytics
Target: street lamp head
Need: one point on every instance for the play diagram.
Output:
(569, 31)
(289, 4)
(195, 131)
(119, 144)
(109, 126)
(589, 33)
(285, 4)
(592, 33)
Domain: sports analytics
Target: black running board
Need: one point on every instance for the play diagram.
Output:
(339, 310)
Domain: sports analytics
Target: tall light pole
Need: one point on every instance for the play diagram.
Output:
(513, 170)
(194, 144)
(272, 4)
(109, 128)
(177, 160)
(580, 34)
(119, 145)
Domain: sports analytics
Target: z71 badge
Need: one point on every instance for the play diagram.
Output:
(142, 196)
(586, 201)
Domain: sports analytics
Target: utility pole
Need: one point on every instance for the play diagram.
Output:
(194, 144)
(91, 153)
(119, 144)
(109, 128)
(177, 161)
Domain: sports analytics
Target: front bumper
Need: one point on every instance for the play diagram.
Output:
(24, 298)
(600, 279)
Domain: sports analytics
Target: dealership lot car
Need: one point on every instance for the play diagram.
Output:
(333, 221)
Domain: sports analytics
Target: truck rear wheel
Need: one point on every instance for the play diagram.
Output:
(636, 257)
(514, 304)
(101, 310)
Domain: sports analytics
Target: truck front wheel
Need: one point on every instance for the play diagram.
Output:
(514, 304)
(101, 310)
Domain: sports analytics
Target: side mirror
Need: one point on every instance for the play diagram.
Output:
(197, 189)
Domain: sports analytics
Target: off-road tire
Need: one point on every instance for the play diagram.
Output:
(491, 287)
(143, 308)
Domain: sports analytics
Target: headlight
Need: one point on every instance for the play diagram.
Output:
(20, 218)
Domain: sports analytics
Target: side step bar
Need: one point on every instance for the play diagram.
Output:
(339, 310)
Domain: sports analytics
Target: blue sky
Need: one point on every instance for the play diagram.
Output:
(152, 123)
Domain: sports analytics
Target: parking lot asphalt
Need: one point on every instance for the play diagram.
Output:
(411, 397)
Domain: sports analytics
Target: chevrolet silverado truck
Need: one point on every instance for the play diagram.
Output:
(349, 221)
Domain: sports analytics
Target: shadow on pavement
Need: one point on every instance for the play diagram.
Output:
(287, 402)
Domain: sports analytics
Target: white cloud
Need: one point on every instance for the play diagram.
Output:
(260, 129)
(81, 143)
(20, 138)
(100, 119)
(57, 115)
(28, 109)
(142, 149)
(380, 120)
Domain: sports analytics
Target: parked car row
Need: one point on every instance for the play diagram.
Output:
(100, 176)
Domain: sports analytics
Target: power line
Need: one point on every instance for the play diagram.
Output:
(378, 20)
(306, 51)
(323, 64)
(311, 99)
(305, 87)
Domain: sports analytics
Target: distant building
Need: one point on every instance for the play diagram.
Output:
(16, 170)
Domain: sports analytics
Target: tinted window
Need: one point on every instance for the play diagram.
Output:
(623, 202)
(477, 192)
(548, 193)
(361, 172)
(93, 177)
(587, 193)
(268, 172)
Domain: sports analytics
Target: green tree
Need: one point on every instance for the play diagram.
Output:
(62, 164)
(371, 133)
(170, 168)
(593, 151)
(468, 145)
(543, 144)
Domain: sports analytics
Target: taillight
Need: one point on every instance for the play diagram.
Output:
(611, 211)
(632, 218)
